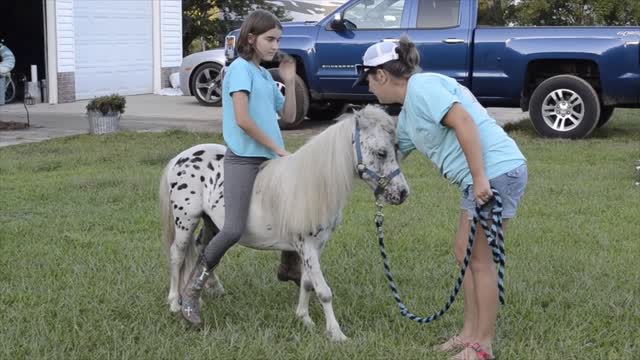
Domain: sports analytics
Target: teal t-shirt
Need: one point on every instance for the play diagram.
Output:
(265, 101)
(429, 97)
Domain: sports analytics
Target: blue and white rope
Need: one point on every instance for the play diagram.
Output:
(495, 238)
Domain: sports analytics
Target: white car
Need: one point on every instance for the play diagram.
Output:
(201, 76)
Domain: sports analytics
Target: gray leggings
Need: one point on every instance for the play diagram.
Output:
(239, 174)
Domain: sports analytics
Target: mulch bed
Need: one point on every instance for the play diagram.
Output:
(12, 125)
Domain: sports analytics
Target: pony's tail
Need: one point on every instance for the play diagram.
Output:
(168, 228)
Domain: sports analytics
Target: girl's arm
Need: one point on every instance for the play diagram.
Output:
(288, 74)
(466, 131)
(244, 121)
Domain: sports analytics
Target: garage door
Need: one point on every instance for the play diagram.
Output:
(113, 42)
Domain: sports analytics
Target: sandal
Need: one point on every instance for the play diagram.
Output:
(480, 353)
(456, 343)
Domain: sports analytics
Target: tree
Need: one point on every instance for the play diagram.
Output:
(211, 20)
(575, 12)
(558, 12)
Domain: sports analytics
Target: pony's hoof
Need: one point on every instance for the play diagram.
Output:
(216, 291)
(337, 336)
(307, 322)
(174, 306)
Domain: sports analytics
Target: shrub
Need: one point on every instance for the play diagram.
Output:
(107, 104)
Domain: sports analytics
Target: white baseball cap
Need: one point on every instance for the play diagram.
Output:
(376, 55)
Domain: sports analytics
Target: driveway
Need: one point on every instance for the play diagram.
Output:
(146, 113)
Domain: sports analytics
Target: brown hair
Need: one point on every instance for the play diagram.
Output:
(257, 23)
(408, 62)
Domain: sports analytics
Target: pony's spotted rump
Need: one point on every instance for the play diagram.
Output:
(296, 202)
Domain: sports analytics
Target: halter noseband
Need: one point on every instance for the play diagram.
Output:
(382, 181)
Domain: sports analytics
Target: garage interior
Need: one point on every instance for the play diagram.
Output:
(22, 28)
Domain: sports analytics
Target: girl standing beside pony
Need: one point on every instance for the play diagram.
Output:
(251, 104)
(444, 121)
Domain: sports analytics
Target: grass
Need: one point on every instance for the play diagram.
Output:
(83, 273)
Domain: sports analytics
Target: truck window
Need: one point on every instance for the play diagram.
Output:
(437, 14)
(491, 13)
(376, 14)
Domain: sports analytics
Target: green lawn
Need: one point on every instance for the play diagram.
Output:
(83, 272)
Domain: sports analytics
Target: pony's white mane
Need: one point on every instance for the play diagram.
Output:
(306, 190)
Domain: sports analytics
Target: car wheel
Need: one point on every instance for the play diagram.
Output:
(564, 106)
(605, 115)
(9, 91)
(206, 84)
(326, 110)
(302, 99)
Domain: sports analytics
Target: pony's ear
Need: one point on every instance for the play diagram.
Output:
(359, 115)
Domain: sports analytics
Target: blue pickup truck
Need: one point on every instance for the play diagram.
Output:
(570, 79)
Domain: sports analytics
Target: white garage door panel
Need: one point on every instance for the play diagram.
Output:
(114, 50)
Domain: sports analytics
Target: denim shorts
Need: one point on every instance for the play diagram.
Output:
(509, 185)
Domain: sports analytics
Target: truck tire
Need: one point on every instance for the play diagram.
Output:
(302, 99)
(605, 114)
(564, 106)
(328, 110)
(206, 84)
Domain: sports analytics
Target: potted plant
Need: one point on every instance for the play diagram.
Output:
(104, 113)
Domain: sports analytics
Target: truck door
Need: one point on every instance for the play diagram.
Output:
(338, 50)
(442, 34)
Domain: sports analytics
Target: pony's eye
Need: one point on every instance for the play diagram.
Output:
(382, 154)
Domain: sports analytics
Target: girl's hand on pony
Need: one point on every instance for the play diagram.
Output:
(282, 152)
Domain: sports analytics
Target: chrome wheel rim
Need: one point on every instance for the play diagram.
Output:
(563, 110)
(208, 85)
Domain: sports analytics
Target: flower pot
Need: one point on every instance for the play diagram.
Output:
(103, 124)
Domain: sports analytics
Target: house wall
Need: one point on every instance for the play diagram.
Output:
(65, 44)
(170, 38)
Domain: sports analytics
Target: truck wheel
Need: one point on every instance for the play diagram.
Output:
(328, 110)
(564, 106)
(605, 114)
(302, 99)
(206, 84)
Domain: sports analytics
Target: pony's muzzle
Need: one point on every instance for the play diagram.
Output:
(396, 194)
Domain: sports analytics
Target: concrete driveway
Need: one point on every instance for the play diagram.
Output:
(146, 113)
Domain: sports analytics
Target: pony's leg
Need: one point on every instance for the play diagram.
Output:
(302, 311)
(176, 255)
(311, 265)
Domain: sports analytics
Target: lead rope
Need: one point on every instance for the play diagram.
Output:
(495, 238)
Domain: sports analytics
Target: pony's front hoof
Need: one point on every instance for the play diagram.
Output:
(174, 305)
(307, 322)
(337, 336)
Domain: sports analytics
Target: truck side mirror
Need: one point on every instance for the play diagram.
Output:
(337, 24)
